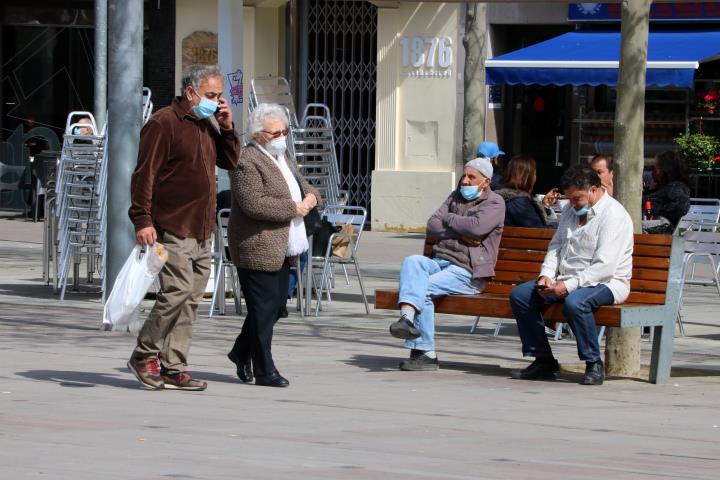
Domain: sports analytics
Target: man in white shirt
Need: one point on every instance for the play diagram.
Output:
(603, 166)
(588, 264)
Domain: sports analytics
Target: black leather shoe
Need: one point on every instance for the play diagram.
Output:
(243, 369)
(283, 312)
(540, 369)
(272, 380)
(594, 373)
(404, 329)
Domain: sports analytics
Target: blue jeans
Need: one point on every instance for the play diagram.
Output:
(527, 306)
(293, 278)
(421, 279)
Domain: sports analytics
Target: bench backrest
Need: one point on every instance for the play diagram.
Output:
(522, 251)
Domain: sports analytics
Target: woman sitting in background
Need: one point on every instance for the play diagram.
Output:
(669, 193)
(518, 182)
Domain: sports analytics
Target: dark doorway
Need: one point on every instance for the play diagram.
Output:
(544, 131)
(537, 118)
(337, 67)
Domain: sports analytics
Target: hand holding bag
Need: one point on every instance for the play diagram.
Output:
(132, 283)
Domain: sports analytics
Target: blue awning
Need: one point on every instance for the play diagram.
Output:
(592, 58)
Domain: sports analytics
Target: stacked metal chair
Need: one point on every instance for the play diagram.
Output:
(77, 193)
(78, 207)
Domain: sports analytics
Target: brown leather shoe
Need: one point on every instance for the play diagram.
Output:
(147, 371)
(183, 381)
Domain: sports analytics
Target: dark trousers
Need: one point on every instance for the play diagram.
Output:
(265, 294)
(578, 307)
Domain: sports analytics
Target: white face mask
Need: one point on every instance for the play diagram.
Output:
(277, 146)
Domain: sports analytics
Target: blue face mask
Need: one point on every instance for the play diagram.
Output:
(470, 192)
(582, 211)
(206, 108)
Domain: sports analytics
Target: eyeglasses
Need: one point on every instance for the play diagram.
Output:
(279, 133)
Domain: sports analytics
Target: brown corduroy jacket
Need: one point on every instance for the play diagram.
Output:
(173, 186)
(262, 208)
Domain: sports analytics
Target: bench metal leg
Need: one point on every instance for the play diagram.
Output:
(661, 359)
(474, 327)
(498, 324)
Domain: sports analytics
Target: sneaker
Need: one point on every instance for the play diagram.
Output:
(419, 362)
(594, 373)
(147, 371)
(540, 369)
(404, 329)
(183, 381)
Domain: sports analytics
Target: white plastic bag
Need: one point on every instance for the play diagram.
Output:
(132, 283)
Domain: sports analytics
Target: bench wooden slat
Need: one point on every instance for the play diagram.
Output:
(650, 274)
(651, 262)
(516, 278)
(518, 266)
(647, 239)
(523, 232)
(489, 305)
(651, 251)
(523, 255)
(659, 276)
(525, 243)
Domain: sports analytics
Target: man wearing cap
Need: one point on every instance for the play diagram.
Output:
(467, 228)
(491, 151)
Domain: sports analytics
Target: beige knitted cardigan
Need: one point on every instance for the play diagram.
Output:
(262, 208)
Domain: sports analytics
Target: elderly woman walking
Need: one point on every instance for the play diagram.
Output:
(265, 233)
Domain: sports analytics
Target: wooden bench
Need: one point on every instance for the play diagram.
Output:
(654, 298)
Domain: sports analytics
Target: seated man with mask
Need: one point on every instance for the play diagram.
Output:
(588, 264)
(468, 227)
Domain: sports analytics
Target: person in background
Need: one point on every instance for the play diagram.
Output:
(491, 151)
(603, 166)
(518, 180)
(588, 264)
(266, 233)
(83, 130)
(669, 192)
(293, 281)
(468, 226)
(173, 202)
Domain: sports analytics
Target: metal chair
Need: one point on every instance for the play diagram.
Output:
(222, 259)
(706, 211)
(341, 215)
(273, 89)
(702, 243)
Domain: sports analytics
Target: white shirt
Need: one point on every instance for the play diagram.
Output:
(599, 252)
(297, 237)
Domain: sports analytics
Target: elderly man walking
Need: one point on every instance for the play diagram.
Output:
(468, 226)
(173, 202)
(588, 264)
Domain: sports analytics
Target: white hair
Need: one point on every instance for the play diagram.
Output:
(193, 75)
(262, 113)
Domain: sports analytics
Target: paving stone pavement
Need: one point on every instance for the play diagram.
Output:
(69, 409)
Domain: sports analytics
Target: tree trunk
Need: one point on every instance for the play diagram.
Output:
(475, 102)
(622, 352)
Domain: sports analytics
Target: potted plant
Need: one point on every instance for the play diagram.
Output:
(699, 151)
(708, 101)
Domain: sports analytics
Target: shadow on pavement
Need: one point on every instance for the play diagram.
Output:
(374, 363)
(67, 378)
(40, 290)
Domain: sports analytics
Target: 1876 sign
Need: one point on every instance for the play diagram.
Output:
(199, 48)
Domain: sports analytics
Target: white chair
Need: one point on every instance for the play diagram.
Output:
(702, 245)
(341, 215)
(223, 262)
(705, 210)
